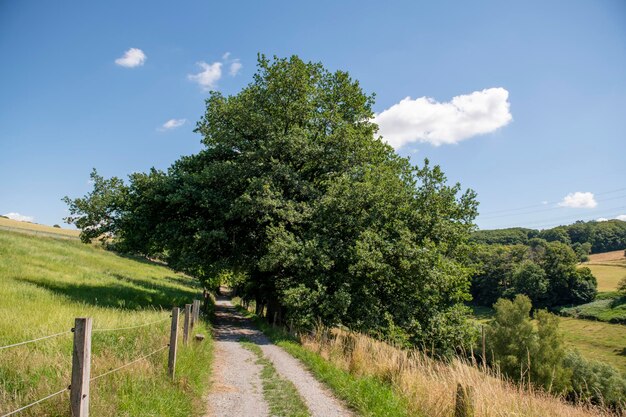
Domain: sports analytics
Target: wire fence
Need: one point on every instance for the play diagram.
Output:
(35, 340)
(131, 327)
(81, 356)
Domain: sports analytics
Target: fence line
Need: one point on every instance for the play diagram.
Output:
(131, 327)
(129, 363)
(36, 402)
(85, 366)
(35, 340)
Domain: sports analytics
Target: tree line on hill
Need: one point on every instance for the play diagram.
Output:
(583, 237)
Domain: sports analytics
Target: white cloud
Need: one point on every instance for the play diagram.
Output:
(132, 58)
(426, 120)
(20, 217)
(621, 217)
(602, 219)
(235, 67)
(208, 77)
(544, 202)
(173, 124)
(579, 200)
(226, 56)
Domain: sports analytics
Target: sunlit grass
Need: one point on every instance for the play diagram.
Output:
(45, 283)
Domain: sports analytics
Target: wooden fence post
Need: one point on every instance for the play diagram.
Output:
(186, 324)
(484, 353)
(171, 362)
(81, 368)
(196, 312)
(463, 406)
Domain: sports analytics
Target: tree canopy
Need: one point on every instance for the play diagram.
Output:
(314, 215)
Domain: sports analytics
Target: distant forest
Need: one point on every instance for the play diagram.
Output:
(599, 237)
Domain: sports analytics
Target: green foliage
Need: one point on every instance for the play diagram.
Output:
(97, 214)
(510, 236)
(595, 381)
(621, 286)
(318, 218)
(524, 353)
(612, 310)
(544, 271)
(593, 236)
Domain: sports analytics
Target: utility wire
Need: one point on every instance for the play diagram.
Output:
(545, 209)
(547, 203)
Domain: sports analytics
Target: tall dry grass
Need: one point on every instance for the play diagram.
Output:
(430, 385)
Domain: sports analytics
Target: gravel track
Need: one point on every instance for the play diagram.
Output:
(237, 388)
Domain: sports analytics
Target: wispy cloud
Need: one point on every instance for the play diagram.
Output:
(235, 67)
(579, 200)
(426, 120)
(132, 58)
(172, 124)
(20, 217)
(209, 76)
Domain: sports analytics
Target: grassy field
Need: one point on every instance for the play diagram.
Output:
(608, 268)
(596, 340)
(34, 228)
(46, 282)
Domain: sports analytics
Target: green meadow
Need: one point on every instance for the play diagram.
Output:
(46, 282)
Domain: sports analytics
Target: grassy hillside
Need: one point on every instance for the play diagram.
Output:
(46, 282)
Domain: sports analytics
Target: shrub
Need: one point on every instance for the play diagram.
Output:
(595, 381)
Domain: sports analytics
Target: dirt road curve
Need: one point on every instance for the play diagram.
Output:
(237, 389)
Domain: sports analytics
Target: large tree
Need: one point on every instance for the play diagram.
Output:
(295, 193)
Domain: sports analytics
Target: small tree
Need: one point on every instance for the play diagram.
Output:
(524, 353)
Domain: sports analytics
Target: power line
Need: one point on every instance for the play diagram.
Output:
(547, 222)
(547, 203)
(546, 209)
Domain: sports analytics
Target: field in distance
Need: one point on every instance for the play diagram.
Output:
(46, 282)
(8, 224)
(608, 268)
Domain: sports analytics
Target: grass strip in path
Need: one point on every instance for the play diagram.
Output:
(369, 396)
(281, 395)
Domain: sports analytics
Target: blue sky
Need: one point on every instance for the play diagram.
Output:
(537, 127)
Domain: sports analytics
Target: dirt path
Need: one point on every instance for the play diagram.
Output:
(237, 388)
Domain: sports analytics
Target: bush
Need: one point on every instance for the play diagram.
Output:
(594, 381)
(57, 226)
(524, 353)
